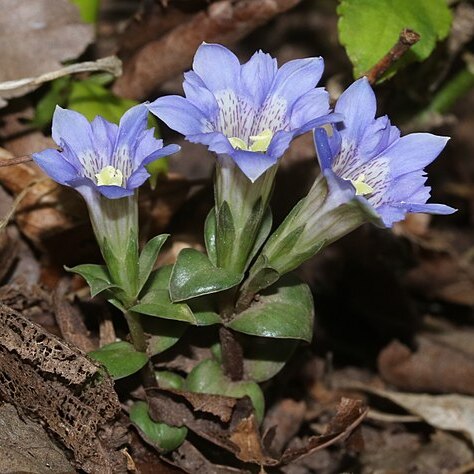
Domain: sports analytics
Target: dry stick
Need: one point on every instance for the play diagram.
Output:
(16, 161)
(405, 41)
(224, 21)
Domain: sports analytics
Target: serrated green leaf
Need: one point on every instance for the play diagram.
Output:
(162, 333)
(148, 258)
(370, 28)
(194, 275)
(285, 310)
(120, 359)
(155, 299)
(96, 276)
(208, 377)
(164, 437)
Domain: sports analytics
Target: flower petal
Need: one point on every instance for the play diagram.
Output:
(132, 124)
(216, 142)
(180, 115)
(358, 105)
(251, 163)
(309, 106)
(413, 152)
(104, 134)
(199, 95)
(161, 153)
(218, 67)
(114, 192)
(73, 128)
(258, 75)
(137, 178)
(52, 162)
(296, 78)
(441, 209)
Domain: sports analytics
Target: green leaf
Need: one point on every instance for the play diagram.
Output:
(169, 380)
(225, 234)
(56, 95)
(264, 357)
(210, 226)
(194, 275)
(89, 9)
(155, 299)
(96, 276)
(204, 310)
(370, 28)
(164, 437)
(163, 333)
(284, 310)
(120, 359)
(148, 258)
(208, 377)
(91, 98)
(156, 168)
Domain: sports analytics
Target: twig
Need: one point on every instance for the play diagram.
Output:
(16, 161)
(224, 21)
(405, 41)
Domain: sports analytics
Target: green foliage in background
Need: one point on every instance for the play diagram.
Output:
(368, 29)
(89, 9)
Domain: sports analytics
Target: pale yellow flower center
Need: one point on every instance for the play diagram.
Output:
(361, 187)
(109, 176)
(260, 143)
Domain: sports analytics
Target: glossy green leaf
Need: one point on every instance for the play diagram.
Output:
(148, 258)
(285, 310)
(96, 276)
(204, 310)
(162, 333)
(264, 357)
(208, 377)
(120, 359)
(370, 28)
(160, 435)
(194, 275)
(155, 299)
(210, 226)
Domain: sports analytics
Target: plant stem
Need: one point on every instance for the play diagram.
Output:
(232, 354)
(139, 343)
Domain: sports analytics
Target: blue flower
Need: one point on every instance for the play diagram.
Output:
(101, 157)
(366, 161)
(250, 112)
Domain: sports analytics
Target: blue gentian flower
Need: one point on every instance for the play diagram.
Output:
(105, 163)
(249, 112)
(101, 157)
(366, 160)
(368, 174)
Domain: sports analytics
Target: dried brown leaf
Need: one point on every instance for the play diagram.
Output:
(36, 38)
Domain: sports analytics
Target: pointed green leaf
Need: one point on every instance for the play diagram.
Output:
(96, 276)
(155, 299)
(120, 359)
(284, 310)
(148, 258)
(194, 275)
(204, 310)
(264, 231)
(160, 435)
(162, 333)
(210, 235)
(225, 234)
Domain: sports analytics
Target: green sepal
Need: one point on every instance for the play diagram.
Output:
(225, 234)
(148, 258)
(120, 359)
(208, 377)
(96, 276)
(194, 275)
(160, 435)
(210, 226)
(262, 235)
(285, 310)
(155, 299)
(162, 333)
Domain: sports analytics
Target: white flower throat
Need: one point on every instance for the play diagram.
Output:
(109, 176)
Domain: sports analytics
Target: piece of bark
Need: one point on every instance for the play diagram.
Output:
(223, 22)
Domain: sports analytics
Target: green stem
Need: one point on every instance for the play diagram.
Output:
(139, 343)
